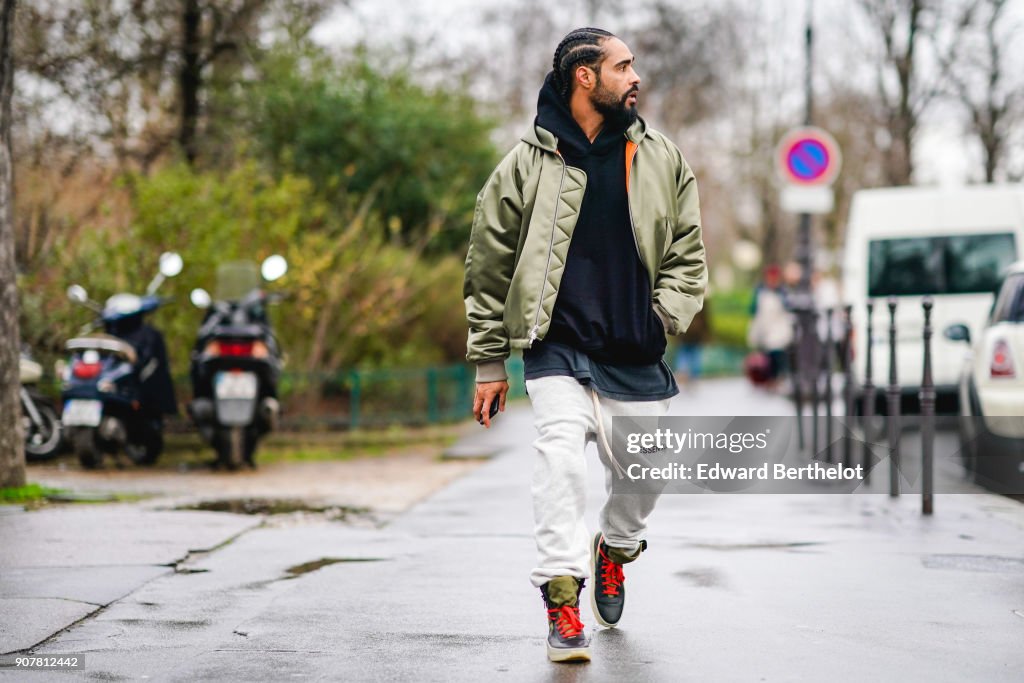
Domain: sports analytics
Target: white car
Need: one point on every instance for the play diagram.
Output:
(992, 390)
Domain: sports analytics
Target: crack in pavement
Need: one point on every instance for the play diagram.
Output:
(175, 564)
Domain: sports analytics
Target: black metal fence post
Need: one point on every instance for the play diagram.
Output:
(893, 395)
(848, 407)
(927, 412)
(827, 364)
(868, 407)
(798, 390)
(815, 376)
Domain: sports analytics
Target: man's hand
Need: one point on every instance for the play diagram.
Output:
(486, 393)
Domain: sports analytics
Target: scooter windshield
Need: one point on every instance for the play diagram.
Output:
(236, 279)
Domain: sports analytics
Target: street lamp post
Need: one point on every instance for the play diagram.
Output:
(803, 301)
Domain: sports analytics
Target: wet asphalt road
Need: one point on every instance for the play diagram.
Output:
(733, 587)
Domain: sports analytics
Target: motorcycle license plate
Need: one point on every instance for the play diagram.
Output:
(81, 413)
(229, 385)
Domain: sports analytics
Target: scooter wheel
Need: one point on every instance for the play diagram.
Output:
(147, 452)
(235, 446)
(83, 442)
(42, 441)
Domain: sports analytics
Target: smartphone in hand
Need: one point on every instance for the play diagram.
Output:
(494, 409)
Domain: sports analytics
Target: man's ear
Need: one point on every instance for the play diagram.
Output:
(585, 77)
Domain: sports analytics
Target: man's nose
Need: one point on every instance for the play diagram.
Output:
(635, 80)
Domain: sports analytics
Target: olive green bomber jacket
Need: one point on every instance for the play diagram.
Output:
(524, 219)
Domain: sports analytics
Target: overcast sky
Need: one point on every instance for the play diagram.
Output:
(456, 26)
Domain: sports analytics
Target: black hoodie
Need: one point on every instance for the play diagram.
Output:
(604, 299)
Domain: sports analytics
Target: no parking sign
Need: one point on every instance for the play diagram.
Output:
(807, 160)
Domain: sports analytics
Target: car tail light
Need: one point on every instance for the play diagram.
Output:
(1002, 362)
(83, 370)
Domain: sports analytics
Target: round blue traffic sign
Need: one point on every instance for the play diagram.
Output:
(808, 156)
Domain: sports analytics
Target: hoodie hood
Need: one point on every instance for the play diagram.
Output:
(555, 126)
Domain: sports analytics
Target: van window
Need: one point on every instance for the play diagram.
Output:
(1009, 306)
(950, 264)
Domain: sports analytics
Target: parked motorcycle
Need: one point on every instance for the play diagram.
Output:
(117, 384)
(236, 362)
(38, 414)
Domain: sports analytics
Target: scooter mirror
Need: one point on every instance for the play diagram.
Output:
(200, 298)
(274, 267)
(78, 294)
(170, 264)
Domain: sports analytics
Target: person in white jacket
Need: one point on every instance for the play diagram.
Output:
(771, 330)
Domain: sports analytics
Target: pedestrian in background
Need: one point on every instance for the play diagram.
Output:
(691, 343)
(771, 329)
(585, 251)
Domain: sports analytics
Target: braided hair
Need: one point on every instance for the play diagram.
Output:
(582, 46)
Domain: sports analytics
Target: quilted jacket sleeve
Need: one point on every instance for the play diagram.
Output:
(490, 262)
(683, 277)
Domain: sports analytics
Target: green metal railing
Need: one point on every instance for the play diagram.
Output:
(378, 397)
(357, 397)
(722, 361)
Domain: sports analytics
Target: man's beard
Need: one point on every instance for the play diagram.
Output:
(617, 114)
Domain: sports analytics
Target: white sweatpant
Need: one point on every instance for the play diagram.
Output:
(564, 414)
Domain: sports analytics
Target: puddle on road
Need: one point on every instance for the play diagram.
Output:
(974, 563)
(275, 506)
(767, 545)
(307, 567)
(176, 624)
(703, 577)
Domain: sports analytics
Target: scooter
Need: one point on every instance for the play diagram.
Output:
(236, 362)
(38, 414)
(117, 385)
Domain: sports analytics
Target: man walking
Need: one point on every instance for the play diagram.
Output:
(585, 251)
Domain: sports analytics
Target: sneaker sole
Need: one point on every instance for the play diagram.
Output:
(575, 654)
(593, 591)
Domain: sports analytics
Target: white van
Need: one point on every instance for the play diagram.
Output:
(950, 243)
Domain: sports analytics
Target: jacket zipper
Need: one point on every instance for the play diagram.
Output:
(547, 266)
(629, 207)
(633, 227)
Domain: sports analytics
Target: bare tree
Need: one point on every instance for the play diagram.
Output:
(979, 78)
(137, 73)
(12, 451)
(900, 26)
(852, 117)
(686, 59)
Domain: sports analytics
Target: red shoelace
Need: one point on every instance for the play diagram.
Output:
(611, 576)
(567, 619)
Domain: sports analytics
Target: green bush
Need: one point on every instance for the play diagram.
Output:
(730, 316)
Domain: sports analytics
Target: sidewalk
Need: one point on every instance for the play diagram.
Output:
(733, 587)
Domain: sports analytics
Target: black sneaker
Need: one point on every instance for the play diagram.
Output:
(609, 595)
(567, 641)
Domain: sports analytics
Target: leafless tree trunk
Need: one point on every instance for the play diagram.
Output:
(977, 70)
(189, 79)
(12, 452)
(899, 26)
